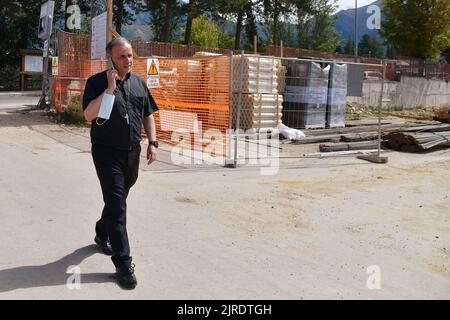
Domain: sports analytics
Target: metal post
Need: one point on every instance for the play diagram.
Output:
(380, 105)
(377, 158)
(281, 48)
(241, 71)
(356, 28)
(229, 162)
(43, 101)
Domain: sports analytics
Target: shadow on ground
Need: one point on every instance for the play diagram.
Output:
(51, 274)
(23, 117)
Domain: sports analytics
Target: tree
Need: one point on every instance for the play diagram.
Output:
(274, 10)
(233, 9)
(194, 9)
(315, 25)
(19, 28)
(165, 18)
(304, 12)
(323, 36)
(225, 40)
(227, 29)
(237, 9)
(250, 25)
(204, 33)
(348, 47)
(446, 54)
(123, 16)
(390, 51)
(369, 46)
(418, 28)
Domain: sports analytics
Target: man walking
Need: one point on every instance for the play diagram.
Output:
(117, 103)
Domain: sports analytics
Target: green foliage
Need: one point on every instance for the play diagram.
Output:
(348, 47)
(325, 36)
(288, 34)
(418, 28)
(446, 54)
(316, 27)
(370, 47)
(121, 16)
(274, 12)
(73, 114)
(204, 33)
(165, 19)
(390, 51)
(194, 9)
(9, 76)
(225, 40)
(18, 30)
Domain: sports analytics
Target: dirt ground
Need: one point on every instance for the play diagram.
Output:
(359, 111)
(312, 231)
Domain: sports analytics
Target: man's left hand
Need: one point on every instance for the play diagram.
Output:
(151, 154)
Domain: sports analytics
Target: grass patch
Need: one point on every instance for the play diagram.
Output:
(358, 115)
(72, 115)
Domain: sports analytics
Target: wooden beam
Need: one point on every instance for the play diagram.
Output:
(114, 33)
(109, 21)
(117, 35)
(362, 145)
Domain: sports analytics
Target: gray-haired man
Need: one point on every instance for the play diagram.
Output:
(117, 103)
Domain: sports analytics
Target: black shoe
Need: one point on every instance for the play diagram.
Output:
(104, 245)
(125, 276)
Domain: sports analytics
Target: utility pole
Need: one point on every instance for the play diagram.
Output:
(356, 28)
(44, 33)
(109, 21)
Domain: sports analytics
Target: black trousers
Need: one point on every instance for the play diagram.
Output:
(117, 171)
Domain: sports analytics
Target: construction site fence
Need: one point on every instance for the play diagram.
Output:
(204, 102)
(171, 50)
(193, 95)
(210, 103)
(400, 66)
(73, 47)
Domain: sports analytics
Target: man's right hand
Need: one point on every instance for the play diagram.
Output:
(112, 76)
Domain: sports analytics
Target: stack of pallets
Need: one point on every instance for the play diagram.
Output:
(257, 83)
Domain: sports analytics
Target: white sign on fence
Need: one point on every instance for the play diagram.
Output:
(98, 39)
(152, 73)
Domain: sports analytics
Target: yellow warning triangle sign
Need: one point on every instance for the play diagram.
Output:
(152, 71)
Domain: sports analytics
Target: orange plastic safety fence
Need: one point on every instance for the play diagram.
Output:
(193, 96)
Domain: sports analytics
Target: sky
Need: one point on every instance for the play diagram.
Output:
(350, 4)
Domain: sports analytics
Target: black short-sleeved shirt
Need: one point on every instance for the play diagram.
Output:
(131, 96)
